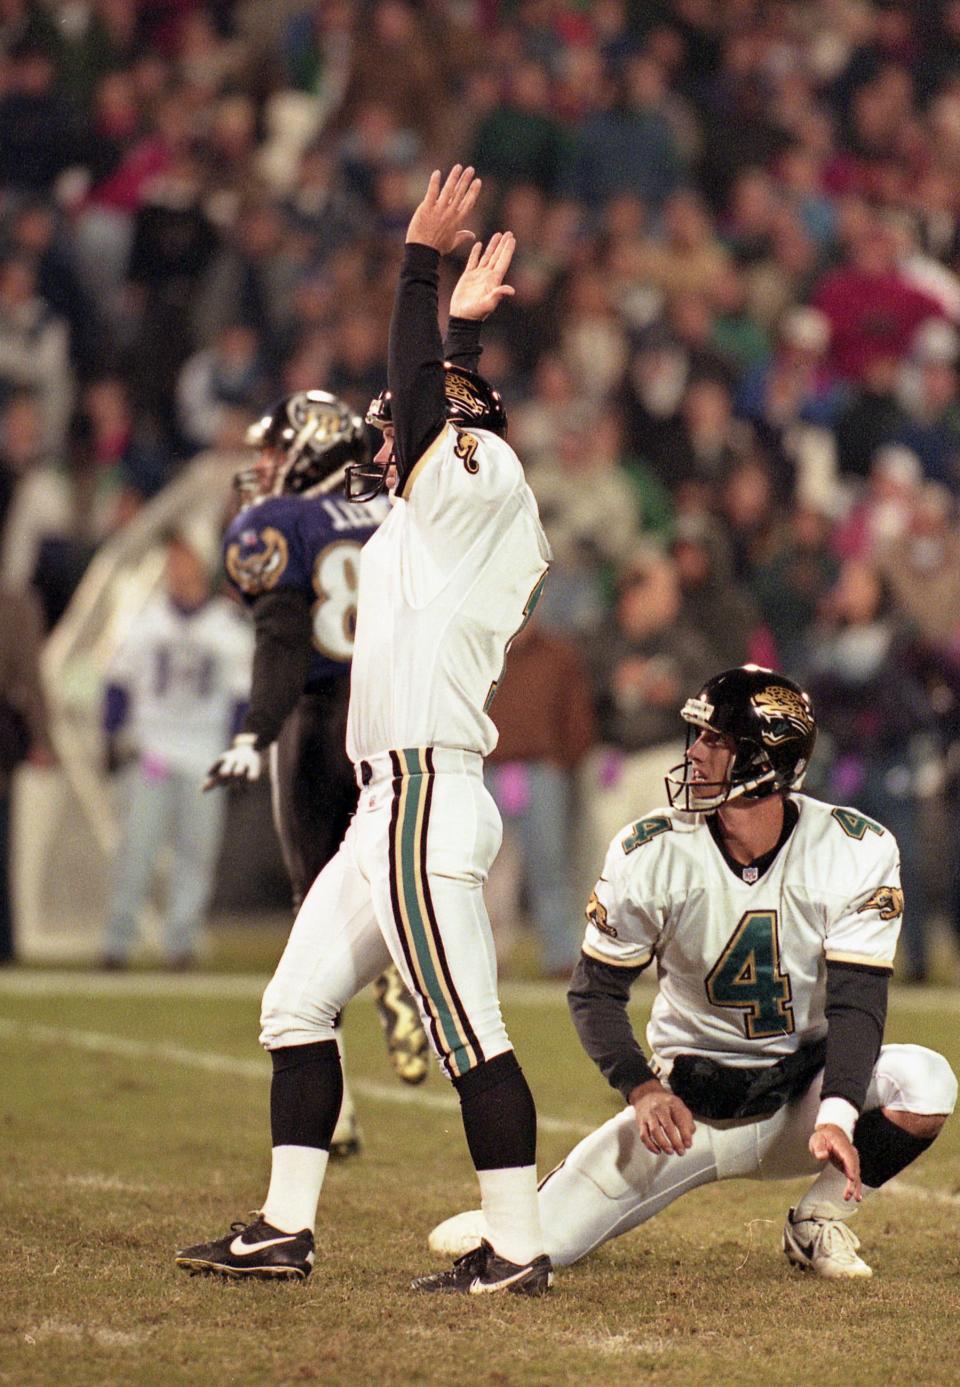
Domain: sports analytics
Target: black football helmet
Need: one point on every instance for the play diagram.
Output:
(471, 403)
(771, 722)
(315, 435)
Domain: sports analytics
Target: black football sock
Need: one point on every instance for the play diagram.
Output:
(499, 1116)
(305, 1098)
(305, 1094)
(500, 1122)
(885, 1149)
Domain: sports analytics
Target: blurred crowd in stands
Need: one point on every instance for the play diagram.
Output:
(731, 363)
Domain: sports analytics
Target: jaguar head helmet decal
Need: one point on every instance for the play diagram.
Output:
(785, 713)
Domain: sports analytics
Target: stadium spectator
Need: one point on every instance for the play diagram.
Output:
(521, 141)
(39, 137)
(930, 395)
(878, 726)
(37, 495)
(871, 417)
(589, 510)
(881, 510)
(34, 347)
(544, 716)
(795, 383)
(43, 241)
(627, 144)
(640, 659)
(712, 602)
(872, 308)
(250, 280)
(792, 581)
(228, 375)
(922, 567)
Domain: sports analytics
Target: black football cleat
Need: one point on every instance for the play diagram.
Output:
(253, 1249)
(407, 1043)
(482, 1272)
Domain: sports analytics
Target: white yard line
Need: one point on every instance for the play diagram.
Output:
(79, 982)
(100, 1043)
(87, 982)
(100, 1335)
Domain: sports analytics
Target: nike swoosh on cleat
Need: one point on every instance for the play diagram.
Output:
(239, 1248)
(478, 1287)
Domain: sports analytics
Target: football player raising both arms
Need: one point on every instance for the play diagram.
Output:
(445, 583)
(773, 919)
(293, 555)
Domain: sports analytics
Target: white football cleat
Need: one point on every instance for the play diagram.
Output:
(459, 1234)
(825, 1246)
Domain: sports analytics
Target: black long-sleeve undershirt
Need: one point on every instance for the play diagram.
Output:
(597, 998)
(281, 661)
(856, 1007)
(415, 359)
(462, 342)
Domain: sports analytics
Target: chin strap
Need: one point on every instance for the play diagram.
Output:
(703, 805)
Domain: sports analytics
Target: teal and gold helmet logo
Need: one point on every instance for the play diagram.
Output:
(786, 712)
(257, 570)
(887, 900)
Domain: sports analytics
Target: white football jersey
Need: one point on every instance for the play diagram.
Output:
(445, 584)
(742, 966)
(184, 676)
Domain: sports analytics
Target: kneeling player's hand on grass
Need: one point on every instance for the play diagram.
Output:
(830, 1143)
(664, 1121)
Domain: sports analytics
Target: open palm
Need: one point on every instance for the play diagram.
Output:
(480, 287)
(439, 219)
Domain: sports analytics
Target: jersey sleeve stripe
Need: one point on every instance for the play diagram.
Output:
(405, 485)
(640, 962)
(882, 965)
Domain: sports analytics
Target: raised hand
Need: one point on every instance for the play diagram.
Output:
(480, 287)
(439, 219)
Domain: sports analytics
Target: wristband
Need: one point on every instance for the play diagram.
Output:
(838, 1113)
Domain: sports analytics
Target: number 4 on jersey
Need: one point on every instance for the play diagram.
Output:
(856, 825)
(747, 977)
(644, 830)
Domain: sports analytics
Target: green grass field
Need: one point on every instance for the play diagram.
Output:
(133, 1119)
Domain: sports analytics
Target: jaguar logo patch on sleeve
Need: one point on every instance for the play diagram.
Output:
(596, 913)
(466, 449)
(257, 561)
(888, 900)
